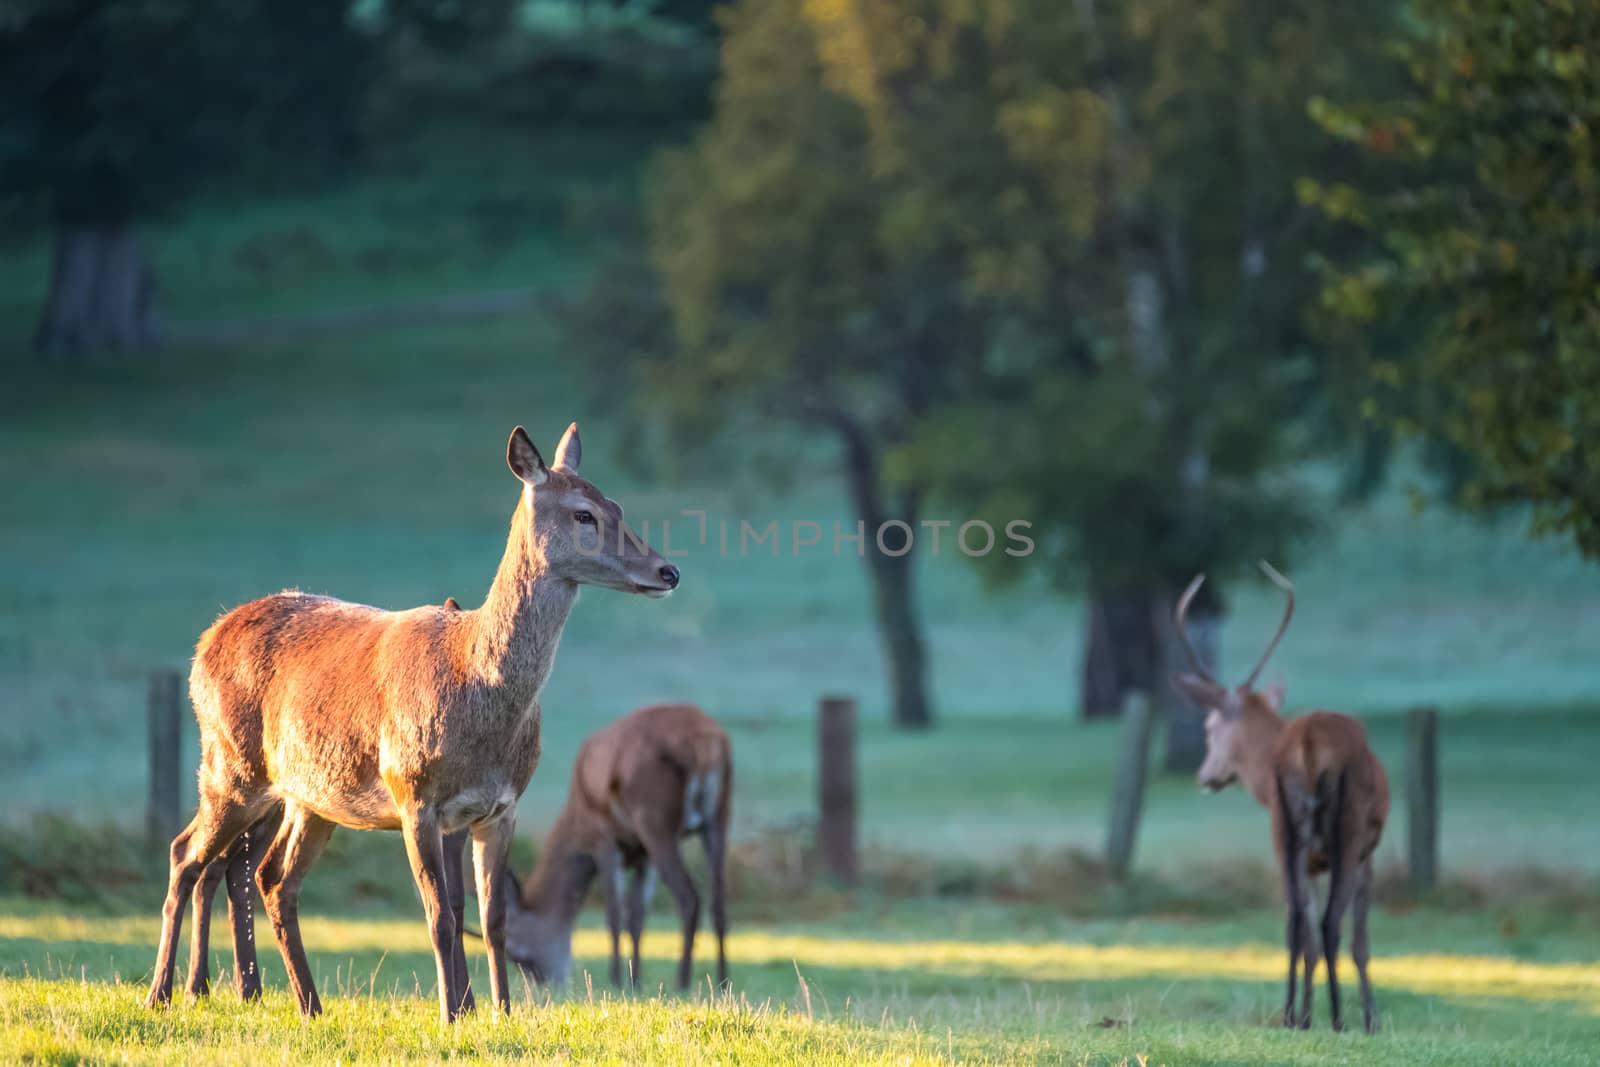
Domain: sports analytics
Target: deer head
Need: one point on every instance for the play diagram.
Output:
(575, 531)
(1226, 708)
(539, 932)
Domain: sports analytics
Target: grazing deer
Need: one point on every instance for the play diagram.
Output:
(1327, 794)
(424, 721)
(640, 785)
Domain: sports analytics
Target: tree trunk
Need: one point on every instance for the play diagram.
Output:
(892, 577)
(1132, 646)
(102, 294)
(1118, 651)
(1186, 722)
(902, 636)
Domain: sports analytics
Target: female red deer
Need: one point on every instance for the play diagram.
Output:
(424, 721)
(1327, 794)
(639, 786)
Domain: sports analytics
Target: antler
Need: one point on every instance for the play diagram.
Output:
(1183, 631)
(1288, 613)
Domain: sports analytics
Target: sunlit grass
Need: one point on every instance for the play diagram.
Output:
(71, 987)
(1433, 973)
(61, 1021)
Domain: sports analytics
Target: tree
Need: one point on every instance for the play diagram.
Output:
(1189, 398)
(1482, 213)
(1032, 258)
(806, 279)
(122, 110)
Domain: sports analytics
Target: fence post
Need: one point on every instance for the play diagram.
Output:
(1422, 796)
(1127, 796)
(163, 818)
(836, 793)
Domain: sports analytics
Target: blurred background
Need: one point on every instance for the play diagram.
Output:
(1179, 285)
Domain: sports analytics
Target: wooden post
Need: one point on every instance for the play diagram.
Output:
(1422, 796)
(836, 793)
(163, 818)
(1127, 795)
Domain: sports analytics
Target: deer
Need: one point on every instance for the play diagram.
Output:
(238, 866)
(1327, 794)
(639, 786)
(425, 721)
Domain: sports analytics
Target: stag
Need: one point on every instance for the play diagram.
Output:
(1327, 795)
(639, 786)
(424, 721)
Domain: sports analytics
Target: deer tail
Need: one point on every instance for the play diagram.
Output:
(708, 762)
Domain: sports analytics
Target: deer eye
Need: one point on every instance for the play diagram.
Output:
(584, 518)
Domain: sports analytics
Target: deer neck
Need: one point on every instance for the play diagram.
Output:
(518, 629)
(556, 888)
(1259, 731)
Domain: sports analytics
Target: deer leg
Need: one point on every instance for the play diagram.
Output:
(1340, 888)
(716, 859)
(1359, 949)
(419, 825)
(1311, 949)
(210, 833)
(666, 858)
(639, 894)
(1290, 825)
(491, 841)
(283, 868)
(205, 891)
(612, 873)
(244, 858)
(455, 884)
(235, 865)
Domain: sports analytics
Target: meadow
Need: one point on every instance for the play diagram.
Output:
(144, 498)
(887, 982)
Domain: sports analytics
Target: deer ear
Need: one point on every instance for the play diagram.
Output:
(569, 453)
(1274, 694)
(1202, 691)
(524, 460)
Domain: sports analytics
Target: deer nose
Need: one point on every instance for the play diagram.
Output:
(669, 575)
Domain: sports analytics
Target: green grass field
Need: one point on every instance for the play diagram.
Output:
(888, 982)
(141, 500)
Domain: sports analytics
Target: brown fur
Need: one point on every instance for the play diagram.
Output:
(426, 720)
(1328, 797)
(639, 786)
(239, 864)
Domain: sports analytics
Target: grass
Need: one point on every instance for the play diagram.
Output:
(915, 982)
(423, 215)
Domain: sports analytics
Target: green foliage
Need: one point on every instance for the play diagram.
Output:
(98, 138)
(452, 25)
(923, 222)
(1485, 224)
(1152, 408)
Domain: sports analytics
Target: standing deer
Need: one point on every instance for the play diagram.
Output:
(424, 721)
(639, 786)
(239, 865)
(1327, 794)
